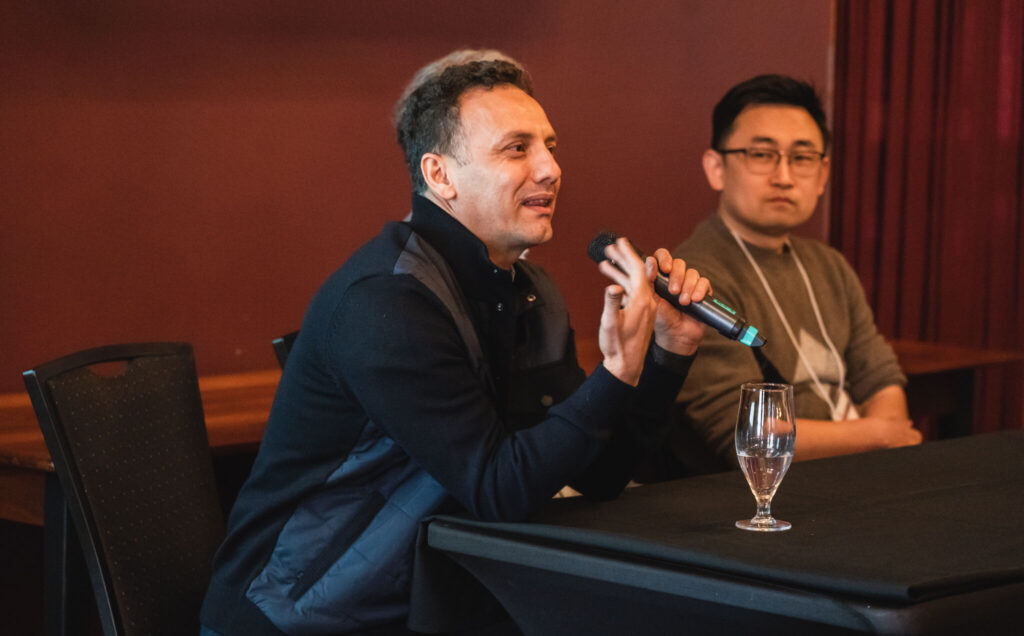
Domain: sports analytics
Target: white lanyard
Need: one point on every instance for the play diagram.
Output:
(839, 410)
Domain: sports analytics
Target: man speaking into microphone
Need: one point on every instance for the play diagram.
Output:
(436, 371)
(769, 162)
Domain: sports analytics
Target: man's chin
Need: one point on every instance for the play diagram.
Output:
(538, 238)
(546, 235)
(780, 222)
(542, 230)
(774, 227)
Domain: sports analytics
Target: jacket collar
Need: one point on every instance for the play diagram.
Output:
(464, 252)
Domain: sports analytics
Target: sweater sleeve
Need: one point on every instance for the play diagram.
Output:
(411, 373)
(871, 364)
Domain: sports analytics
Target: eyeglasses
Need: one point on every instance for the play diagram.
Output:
(802, 163)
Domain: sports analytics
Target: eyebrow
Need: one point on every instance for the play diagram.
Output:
(770, 140)
(522, 134)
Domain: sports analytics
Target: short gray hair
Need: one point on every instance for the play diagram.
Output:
(435, 68)
(428, 117)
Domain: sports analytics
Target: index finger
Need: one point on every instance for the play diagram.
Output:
(623, 256)
(664, 259)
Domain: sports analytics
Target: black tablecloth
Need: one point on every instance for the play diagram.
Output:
(896, 527)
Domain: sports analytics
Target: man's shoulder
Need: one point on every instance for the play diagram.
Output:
(807, 243)
(381, 266)
(391, 252)
(379, 253)
(829, 270)
(709, 249)
(379, 295)
(822, 252)
(707, 239)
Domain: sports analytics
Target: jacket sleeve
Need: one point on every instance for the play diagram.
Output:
(642, 428)
(410, 371)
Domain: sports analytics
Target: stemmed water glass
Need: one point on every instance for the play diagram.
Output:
(765, 437)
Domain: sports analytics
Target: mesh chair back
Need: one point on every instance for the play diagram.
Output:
(283, 346)
(133, 460)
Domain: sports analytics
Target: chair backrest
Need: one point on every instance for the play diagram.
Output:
(133, 461)
(283, 346)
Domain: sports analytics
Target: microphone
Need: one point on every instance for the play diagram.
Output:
(709, 311)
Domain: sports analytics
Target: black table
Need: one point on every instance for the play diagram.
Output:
(927, 539)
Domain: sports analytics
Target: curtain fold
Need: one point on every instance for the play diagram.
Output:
(928, 175)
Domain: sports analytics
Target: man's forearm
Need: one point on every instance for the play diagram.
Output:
(825, 438)
(889, 402)
(884, 423)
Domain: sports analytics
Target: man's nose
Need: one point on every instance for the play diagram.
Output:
(545, 168)
(782, 175)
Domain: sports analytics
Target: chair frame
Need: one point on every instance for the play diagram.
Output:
(43, 403)
(283, 346)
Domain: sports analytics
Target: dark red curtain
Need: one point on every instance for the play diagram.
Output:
(928, 181)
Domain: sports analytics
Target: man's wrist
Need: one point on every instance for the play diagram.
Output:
(676, 346)
(672, 360)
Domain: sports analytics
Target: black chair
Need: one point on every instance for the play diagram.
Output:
(133, 461)
(283, 346)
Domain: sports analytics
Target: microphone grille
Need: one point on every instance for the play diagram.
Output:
(601, 241)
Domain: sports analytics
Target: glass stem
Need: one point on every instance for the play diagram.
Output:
(764, 509)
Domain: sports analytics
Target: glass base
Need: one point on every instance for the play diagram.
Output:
(763, 524)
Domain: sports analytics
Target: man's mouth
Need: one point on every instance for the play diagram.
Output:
(539, 201)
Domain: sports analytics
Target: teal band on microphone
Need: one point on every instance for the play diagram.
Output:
(749, 335)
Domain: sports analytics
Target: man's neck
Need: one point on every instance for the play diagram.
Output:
(749, 235)
(504, 260)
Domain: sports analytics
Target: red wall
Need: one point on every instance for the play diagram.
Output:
(192, 171)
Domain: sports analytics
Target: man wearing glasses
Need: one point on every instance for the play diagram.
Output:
(769, 162)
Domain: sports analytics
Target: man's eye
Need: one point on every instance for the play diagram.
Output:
(517, 147)
(761, 155)
(804, 159)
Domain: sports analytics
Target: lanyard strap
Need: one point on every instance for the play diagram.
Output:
(834, 408)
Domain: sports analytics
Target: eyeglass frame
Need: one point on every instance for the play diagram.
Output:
(779, 154)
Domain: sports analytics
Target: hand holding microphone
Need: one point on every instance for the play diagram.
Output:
(709, 311)
(630, 314)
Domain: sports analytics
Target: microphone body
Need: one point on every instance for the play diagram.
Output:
(709, 311)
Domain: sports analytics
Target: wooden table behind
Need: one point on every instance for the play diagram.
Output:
(941, 381)
(237, 405)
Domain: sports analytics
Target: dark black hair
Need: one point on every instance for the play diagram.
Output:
(428, 119)
(766, 89)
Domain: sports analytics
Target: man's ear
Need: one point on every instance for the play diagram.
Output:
(826, 168)
(714, 169)
(435, 172)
